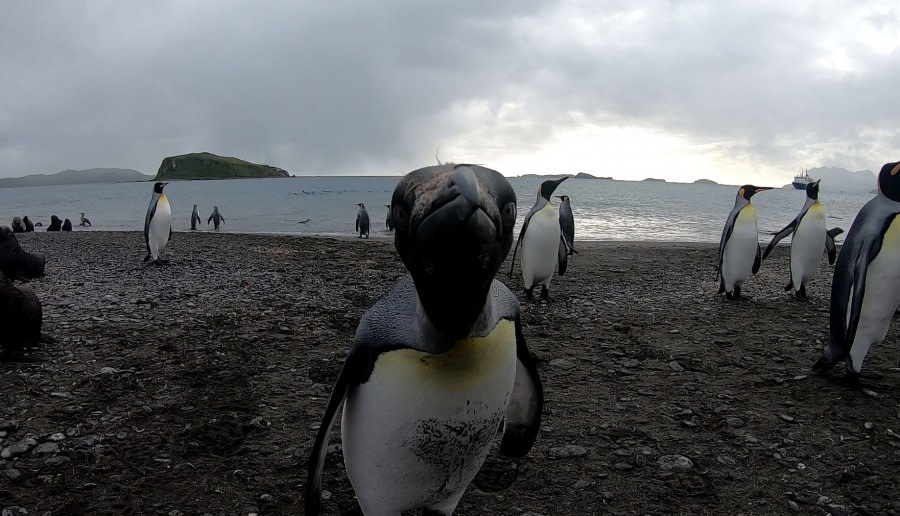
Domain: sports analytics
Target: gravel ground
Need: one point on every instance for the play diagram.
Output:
(196, 388)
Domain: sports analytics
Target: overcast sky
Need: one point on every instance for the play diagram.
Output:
(733, 91)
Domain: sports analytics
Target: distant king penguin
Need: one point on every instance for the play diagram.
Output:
(195, 218)
(810, 239)
(216, 218)
(362, 220)
(440, 361)
(540, 239)
(739, 252)
(157, 224)
(865, 289)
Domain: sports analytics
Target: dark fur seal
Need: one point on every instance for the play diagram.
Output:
(67, 225)
(29, 226)
(17, 225)
(15, 262)
(55, 223)
(21, 317)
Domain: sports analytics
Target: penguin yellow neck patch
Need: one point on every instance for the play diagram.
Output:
(468, 360)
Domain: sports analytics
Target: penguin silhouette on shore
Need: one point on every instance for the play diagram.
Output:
(440, 362)
(540, 240)
(865, 288)
(84, 221)
(739, 251)
(567, 233)
(195, 218)
(216, 218)
(362, 221)
(389, 221)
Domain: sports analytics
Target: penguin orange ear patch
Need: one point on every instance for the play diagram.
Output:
(741, 192)
(895, 170)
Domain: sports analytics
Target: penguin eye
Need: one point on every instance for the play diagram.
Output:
(508, 216)
(400, 216)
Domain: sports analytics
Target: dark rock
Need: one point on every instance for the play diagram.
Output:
(568, 451)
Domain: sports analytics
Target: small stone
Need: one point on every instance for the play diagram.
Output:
(608, 495)
(789, 419)
(267, 498)
(46, 448)
(326, 494)
(121, 435)
(56, 437)
(9, 424)
(794, 505)
(87, 441)
(14, 510)
(734, 422)
(561, 363)
(568, 451)
(13, 474)
(868, 425)
(675, 462)
(56, 460)
(623, 466)
(18, 448)
(675, 366)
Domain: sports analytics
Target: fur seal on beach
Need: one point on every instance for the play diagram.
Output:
(567, 233)
(540, 239)
(84, 221)
(389, 221)
(29, 226)
(865, 289)
(440, 361)
(739, 252)
(195, 218)
(810, 239)
(215, 217)
(67, 225)
(15, 262)
(21, 317)
(55, 223)
(18, 226)
(157, 224)
(362, 221)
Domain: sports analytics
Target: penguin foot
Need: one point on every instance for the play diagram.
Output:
(865, 380)
(160, 261)
(823, 365)
(529, 295)
(737, 291)
(801, 294)
(545, 295)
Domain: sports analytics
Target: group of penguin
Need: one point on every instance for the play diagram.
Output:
(865, 287)
(24, 224)
(158, 223)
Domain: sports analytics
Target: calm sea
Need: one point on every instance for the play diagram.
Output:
(604, 209)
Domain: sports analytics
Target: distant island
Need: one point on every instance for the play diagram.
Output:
(705, 182)
(654, 179)
(580, 175)
(205, 165)
(77, 177)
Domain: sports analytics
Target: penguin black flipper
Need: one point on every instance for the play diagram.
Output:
(758, 260)
(350, 376)
(563, 256)
(526, 405)
(781, 234)
(829, 244)
(147, 229)
(726, 234)
(519, 240)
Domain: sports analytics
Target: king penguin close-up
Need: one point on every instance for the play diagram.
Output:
(540, 240)
(739, 252)
(865, 288)
(440, 361)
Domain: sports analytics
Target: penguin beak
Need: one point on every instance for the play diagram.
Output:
(454, 251)
(763, 188)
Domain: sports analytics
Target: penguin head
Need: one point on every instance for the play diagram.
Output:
(548, 187)
(361, 205)
(158, 187)
(563, 198)
(748, 191)
(454, 227)
(889, 181)
(812, 189)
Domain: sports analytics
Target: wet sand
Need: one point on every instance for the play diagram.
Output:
(196, 388)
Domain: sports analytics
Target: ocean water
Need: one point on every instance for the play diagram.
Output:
(603, 209)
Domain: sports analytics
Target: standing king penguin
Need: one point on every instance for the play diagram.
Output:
(567, 229)
(540, 238)
(157, 224)
(195, 218)
(362, 221)
(810, 239)
(865, 289)
(216, 218)
(739, 252)
(440, 361)
(389, 221)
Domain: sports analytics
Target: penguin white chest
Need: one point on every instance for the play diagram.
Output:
(539, 247)
(881, 297)
(419, 429)
(807, 245)
(160, 227)
(740, 249)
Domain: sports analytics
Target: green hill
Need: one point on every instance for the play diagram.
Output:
(204, 165)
